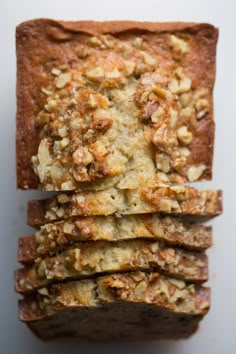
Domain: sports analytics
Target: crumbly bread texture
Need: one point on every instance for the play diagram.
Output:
(85, 259)
(175, 200)
(114, 104)
(54, 237)
(119, 306)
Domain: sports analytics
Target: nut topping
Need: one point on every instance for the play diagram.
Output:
(118, 100)
(184, 135)
(178, 44)
(194, 172)
(63, 80)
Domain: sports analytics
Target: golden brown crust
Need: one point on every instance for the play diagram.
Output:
(54, 36)
(86, 259)
(134, 303)
(182, 201)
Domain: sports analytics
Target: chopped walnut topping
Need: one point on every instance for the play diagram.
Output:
(51, 105)
(95, 41)
(163, 162)
(92, 101)
(184, 151)
(202, 104)
(68, 228)
(82, 51)
(184, 135)
(160, 92)
(63, 198)
(46, 91)
(115, 74)
(76, 253)
(128, 67)
(67, 186)
(64, 143)
(165, 205)
(180, 284)
(157, 115)
(62, 131)
(154, 247)
(202, 114)
(173, 117)
(144, 96)
(104, 103)
(80, 199)
(75, 124)
(43, 291)
(56, 72)
(194, 172)
(44, 159)
(42, 268)
(138, 42)
(56, 171)
(95, 74)
(164, 136)
(140, 288)
(168, 255)
(185, 99)
(202, 107)
(181, 84)
(63, 80)
(178, 44)
(60, 212)
(162, 177)
(50, 215)
(187, 112)
(149, 59)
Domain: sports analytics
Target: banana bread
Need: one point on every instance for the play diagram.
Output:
(85, 259)
(175, 200)
(54, 237)
(113, 104)
(120, 306)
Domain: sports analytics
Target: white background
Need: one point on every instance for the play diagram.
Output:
(217, 334)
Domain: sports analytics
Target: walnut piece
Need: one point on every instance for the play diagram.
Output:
(63, 80)
(184, 135)
(178, 44)
(194, 172)
(163, 162)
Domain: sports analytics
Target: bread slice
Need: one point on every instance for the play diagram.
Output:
(113, 104)
(54, 237)
(174, 200)
(85, 259)
(120, 306)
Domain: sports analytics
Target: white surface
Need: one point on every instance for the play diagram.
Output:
(218, 331)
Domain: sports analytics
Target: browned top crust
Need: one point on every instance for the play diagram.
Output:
(175, 200)
(177, 148)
